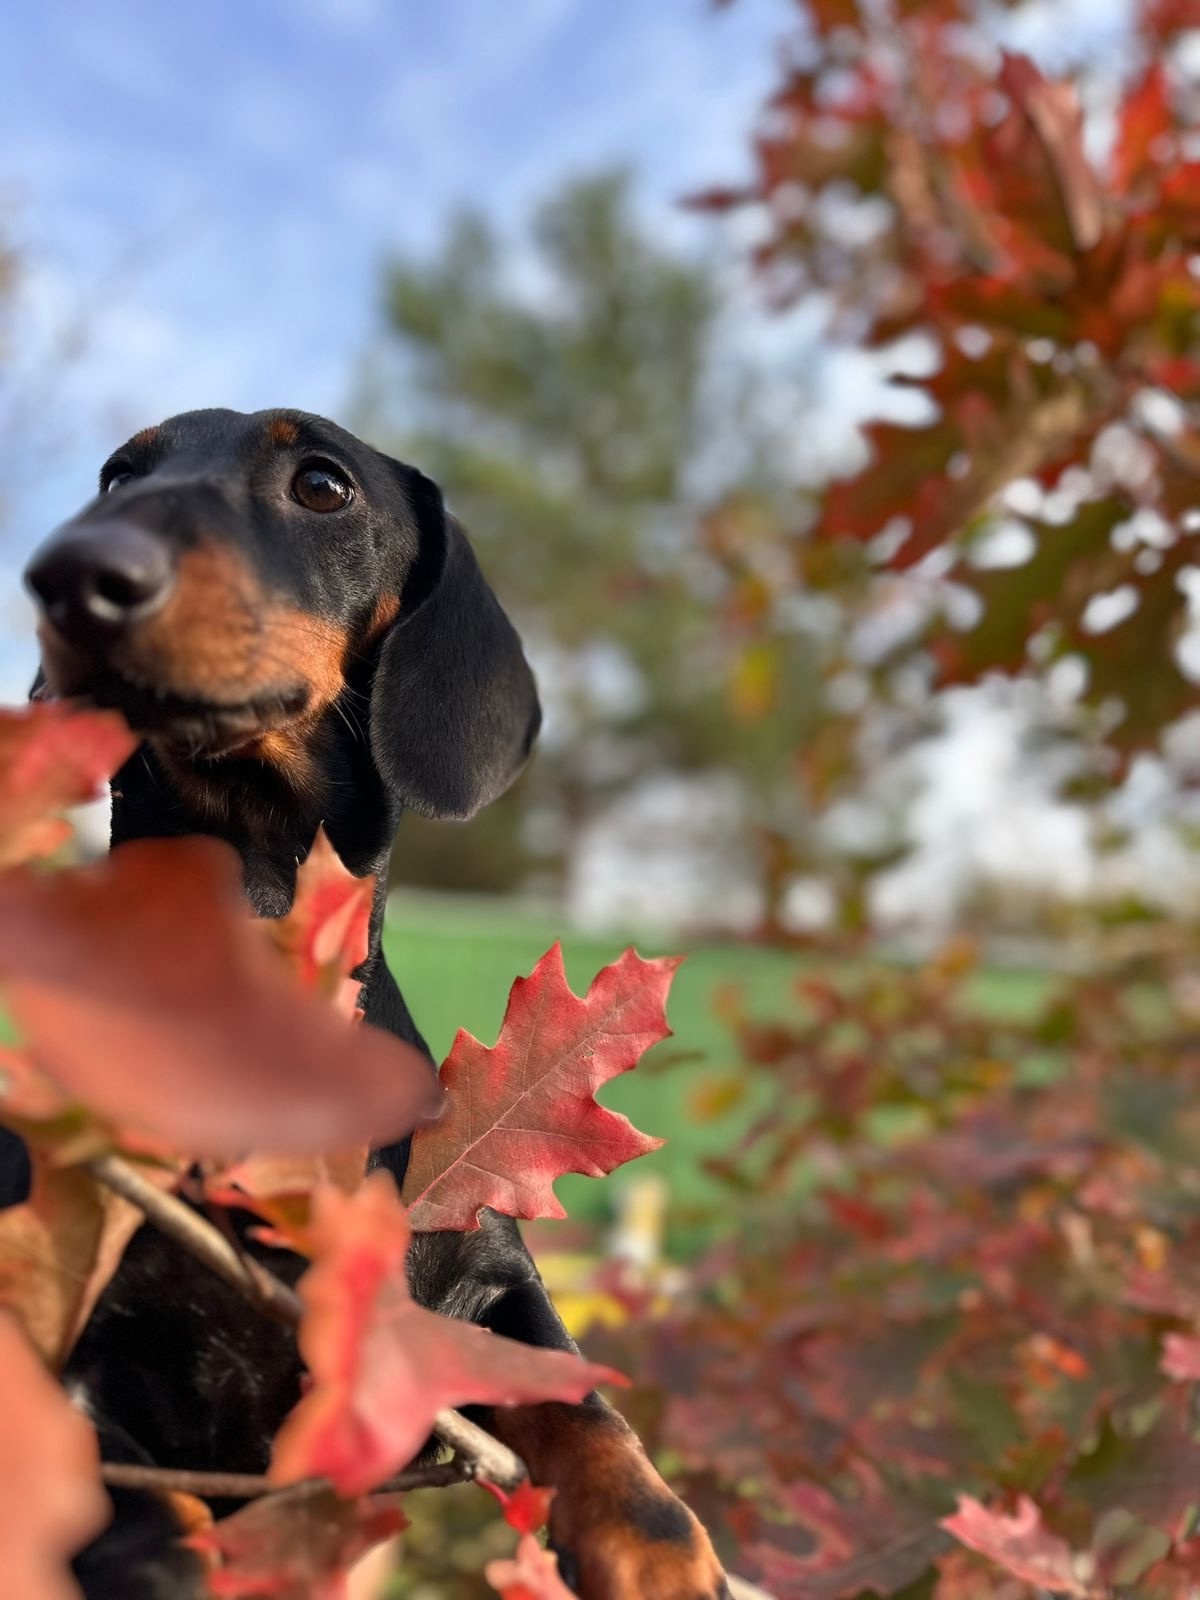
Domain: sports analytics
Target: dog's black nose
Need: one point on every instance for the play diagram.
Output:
(102, 580)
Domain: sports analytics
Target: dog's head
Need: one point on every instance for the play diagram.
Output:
(238, 574)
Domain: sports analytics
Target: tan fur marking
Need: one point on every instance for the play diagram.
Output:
(600, 1471)
(145, 438)
(387, 608)
(283, 432)
(222, 638)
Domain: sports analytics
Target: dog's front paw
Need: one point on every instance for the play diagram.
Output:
(643, 1545)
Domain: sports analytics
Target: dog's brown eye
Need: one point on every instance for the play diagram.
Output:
(117, 478)
(321, 489)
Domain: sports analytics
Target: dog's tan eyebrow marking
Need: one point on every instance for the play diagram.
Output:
(282, 431)
(144, 439)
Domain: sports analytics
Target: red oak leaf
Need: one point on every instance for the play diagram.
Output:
(532, 1575)
(523, 1113)
(1021, 1544)
(51, 1498)
(144, 988)
(381, 1365)
(296, 1547)
(526, 1509)
(52, 756)
(325, 933)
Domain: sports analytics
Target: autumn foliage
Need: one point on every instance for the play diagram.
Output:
(945, 197)
(948, 1351)
(165, 1030)
(943, 1341)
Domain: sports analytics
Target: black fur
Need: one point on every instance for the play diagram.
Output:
(438, 713)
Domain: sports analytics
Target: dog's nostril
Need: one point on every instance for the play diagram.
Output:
(100, 580)
(124, 591)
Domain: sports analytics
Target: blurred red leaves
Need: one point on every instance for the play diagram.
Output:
(325, 933)
(530, 1115)
(965, 1266)
(526, 1508)
(52, 756)
(111, 971)
(381, 1365)
(1054, 290)
(51, 1498)
(161, 1020)
(531, 1575)
(295, 1547)
(1020, 1544)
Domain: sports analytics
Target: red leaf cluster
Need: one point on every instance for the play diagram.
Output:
(972, 1283)
(160, 1020)
(52, 757)
(295, 1547)
(119, 1010)
(51, 1500)
(1058, 291)
(381, 1365)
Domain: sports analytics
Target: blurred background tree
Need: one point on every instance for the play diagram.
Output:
(574, 409)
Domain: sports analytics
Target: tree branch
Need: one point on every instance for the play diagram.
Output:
(267, 1293)
(484, 1456)
(253, 1486)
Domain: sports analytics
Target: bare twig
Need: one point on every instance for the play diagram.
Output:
(253, 1486)
(179, 1222)
(489, 1458)
(485, 1456)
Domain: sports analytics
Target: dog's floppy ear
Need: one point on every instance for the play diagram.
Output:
(454, 708)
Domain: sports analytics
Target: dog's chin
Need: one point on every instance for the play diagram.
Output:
(196, 726)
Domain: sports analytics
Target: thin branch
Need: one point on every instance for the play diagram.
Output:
(488, 1457)
(253, 1486)
(179, 1222)
(485, 1456)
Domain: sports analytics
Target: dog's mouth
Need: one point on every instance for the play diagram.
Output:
(193, 725)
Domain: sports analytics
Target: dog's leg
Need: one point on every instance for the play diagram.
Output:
(620, 1532)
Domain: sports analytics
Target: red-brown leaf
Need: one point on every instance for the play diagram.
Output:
(50, 1251)
(526, 1509)
(1020, 1543)
(531, 1575)
(521, 1114)
(296, 1547)
(325, 933)
(145, 989)
(52, 756)
(280, 1190)
(1054, 112)
(381, 1365)
(1145, 122)
(51, 1498)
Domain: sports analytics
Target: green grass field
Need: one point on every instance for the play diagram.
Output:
(456, 958)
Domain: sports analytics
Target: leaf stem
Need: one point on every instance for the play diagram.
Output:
(484, 1456)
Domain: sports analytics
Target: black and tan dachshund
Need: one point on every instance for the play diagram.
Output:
(301, 634)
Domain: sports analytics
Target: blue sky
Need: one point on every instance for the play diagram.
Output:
(203, 195)
(211, 189)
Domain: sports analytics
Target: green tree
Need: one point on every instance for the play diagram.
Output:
(566, 408)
